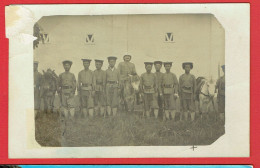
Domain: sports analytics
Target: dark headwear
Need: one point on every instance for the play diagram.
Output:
(101, 61)
(112, 58)
(127, 55)
(167, 63)
(86, 60)
(158, 62)
(67, 62)
(187, 63)
(223, 66)
(148, 63)
(35, 62)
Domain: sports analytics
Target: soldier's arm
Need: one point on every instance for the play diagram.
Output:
(194, 85)
(176, 84)
(180, 84)
(141, 84)
(74, 82)
(59, 83)
(93, 80)
(134, 70)
(156, 83)
(78, 83)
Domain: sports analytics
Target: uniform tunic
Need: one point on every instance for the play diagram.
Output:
(170, 87)
(221, 94)
(125, 69)
(86, 82)
(112, 87)
(148, 85)
(187, 91)
(100, 77)
(37, 76)
(67, 83)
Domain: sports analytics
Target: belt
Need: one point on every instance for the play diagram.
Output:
(86, 84)
(66, 87)
(99, 83)
(148, 87)
(186, 88)
(112, 82)
(168, 86)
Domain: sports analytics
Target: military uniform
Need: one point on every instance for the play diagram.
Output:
(100, 81)
(187, 83)
(86, 82)
(170, 88)
(149, 88)
(67, 88)
(37, 76)
(220, 86)
(159, 76)
(112, 88)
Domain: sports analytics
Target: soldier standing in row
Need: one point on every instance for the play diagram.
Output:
(112, 86)
(187, 90)
(170, 88)
(220, 88)
(159, 74)
(100, 80)
(37, 76)
(66, 89)
(125, 69)
(149, 88)
(86, 82)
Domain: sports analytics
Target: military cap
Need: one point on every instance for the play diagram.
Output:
(101, 61)
(86, 60)
(187, 63)
(127, 55)
(223, 66)
(148, 63)
(166, 63)
(35, 62)
(67, 62)
(158, 62)
(111, 58)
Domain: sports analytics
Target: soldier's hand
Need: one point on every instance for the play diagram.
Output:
(176, 95)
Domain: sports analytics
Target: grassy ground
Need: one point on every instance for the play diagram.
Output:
(125, 130)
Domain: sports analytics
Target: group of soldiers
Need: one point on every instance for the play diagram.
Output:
(100, 90)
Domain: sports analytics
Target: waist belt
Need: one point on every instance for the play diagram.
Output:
(168, 86)
(86, 84)
(99, 83)
(186, 88)
(148, 87)
(112, 82)
(66, 87)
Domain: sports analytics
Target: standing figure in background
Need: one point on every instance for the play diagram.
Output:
(126, 70)
(170, 88)
(187, 83)
(99, 98)
(66, 90)
(149, 88)
(220, 89)
(112, 86)
(86, 82)
(159, 75)
(37, 76)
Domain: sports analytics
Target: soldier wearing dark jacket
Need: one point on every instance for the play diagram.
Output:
(170, 88)
(66, 89)
(149, 89)
(187, 83)
(220, 88)
(37, 76)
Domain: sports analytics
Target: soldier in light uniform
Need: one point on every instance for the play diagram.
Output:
(66, 89)
(112, 87)
(187, 85)
(125, 69)
(220, 88)
(99, 98)
(159, 75)
(170, 89)
(86, 83)
(149, 89)
(37, 76)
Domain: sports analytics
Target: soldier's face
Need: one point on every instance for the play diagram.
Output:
(148, 67)
(158, 67)
(98, 65)
(167, 67)
(112, 63)
(86, 64)
(66, 67)
(187, 68)
(35, 67)
(127, 58)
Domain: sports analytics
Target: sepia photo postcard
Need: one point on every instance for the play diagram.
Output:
(128, 81)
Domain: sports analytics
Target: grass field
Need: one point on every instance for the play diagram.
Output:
(125, 130)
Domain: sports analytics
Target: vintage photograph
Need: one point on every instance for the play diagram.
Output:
(129, 80)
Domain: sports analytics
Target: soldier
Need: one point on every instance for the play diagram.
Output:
(149, 88)
(170, 88)
(220, 88)
(66, 89)
(125, 69)
(37, 76)
(187, 83)
(99, 99)
(159, 74)
(86, 82)
(112, 86)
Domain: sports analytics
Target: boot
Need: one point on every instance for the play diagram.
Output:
(156, 112)
(108, 110)
(173, 112)
(85, 112)
(148, 114)
(167, 115)
(114, 111)
(91, 112)
(192, 115)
